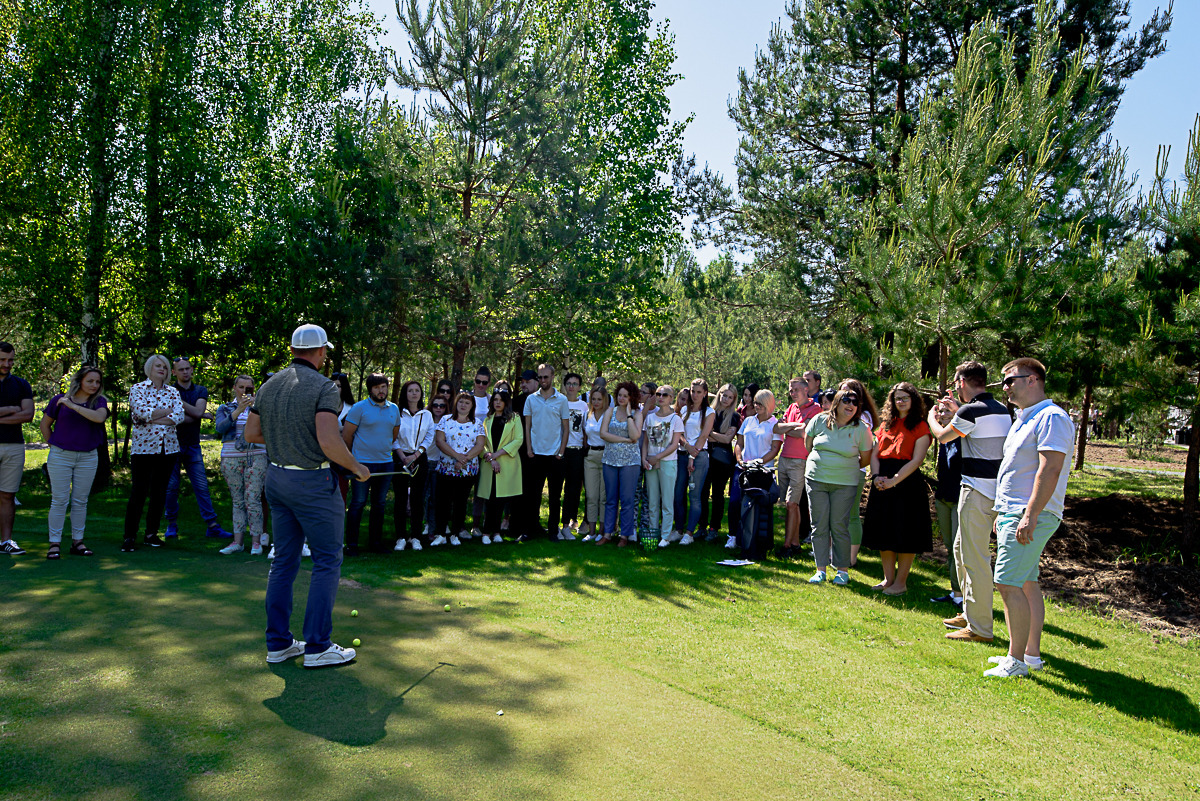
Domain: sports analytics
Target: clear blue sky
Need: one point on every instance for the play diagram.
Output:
(713, 38)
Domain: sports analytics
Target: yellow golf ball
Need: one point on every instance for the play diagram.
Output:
(353, 613)
(356, 641)
(447, 607)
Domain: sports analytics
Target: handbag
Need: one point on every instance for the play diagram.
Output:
(103, 479)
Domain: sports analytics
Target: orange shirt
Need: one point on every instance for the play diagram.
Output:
(898, 442)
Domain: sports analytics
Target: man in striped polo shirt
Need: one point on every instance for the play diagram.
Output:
(982, 422)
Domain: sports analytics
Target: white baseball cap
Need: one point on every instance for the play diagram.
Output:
(310, 336)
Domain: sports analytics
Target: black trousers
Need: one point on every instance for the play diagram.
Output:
(544, 470)
(452, 495)
(410, 499)
(151, 472)
(572, 464)
(495, 511)
(713, 495)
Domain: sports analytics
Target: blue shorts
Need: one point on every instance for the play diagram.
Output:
(1017, 563)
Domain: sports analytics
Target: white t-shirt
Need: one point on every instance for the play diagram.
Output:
(591, 426)
(757, 438)
(481, 407)
(578, 410)
(693, 425)
(1044, 427)
(659, 431)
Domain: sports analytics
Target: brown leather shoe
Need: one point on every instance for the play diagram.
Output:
(968, 635)
(956, 622)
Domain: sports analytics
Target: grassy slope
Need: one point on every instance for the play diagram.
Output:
(621, 675)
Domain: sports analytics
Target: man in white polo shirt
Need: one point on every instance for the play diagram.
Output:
(1031, 492)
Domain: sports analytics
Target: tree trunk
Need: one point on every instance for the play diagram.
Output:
(155, 279)
(1191, 490)
(396, 382)
(459, 352)
(99, 121)
(1084, 419)
(944, 364)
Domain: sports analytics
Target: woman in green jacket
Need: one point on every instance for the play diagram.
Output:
(500, 473)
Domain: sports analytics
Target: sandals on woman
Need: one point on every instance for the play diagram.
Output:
(55, 551)
(79, 549)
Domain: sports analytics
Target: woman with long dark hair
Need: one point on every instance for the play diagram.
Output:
(897, 522)
(721, 462)
(73, 426)
(749, 393)
(500, 478)
(413, 442)
(693, 459)
(870, 415)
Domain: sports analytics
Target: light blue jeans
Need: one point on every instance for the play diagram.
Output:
(620, 487)
(190, 459)
(71, 476)
(687, 502)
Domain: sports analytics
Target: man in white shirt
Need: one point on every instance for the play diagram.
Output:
(547, 422)
(1031, 493)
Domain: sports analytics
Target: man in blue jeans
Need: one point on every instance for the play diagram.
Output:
(370, 428)
(295, 416)
(195, 402)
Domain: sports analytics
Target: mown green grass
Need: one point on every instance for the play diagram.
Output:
(1096, 482)
(622, 675)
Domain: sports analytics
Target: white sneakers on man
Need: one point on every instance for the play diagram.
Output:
(333, 655)
(438, 540)
(284, 654)
(455, 540)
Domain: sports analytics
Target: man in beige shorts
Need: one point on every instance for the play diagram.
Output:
(16, 409)
(792, 460)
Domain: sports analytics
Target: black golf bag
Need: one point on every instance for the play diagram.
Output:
(759, 494)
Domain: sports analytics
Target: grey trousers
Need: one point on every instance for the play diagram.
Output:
(830, 506)
(71, 476)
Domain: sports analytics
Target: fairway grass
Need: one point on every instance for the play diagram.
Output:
(621, 675)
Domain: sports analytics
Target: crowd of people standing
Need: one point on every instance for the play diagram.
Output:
(632, 463)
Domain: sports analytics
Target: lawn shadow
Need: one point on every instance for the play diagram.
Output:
(334, 705)
(1131, 696)
(1073, 637)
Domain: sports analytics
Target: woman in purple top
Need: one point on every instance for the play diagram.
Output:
(73, 425)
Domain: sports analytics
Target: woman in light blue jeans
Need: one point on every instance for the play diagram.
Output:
(621, 428)
(693, 458)
(73, 425)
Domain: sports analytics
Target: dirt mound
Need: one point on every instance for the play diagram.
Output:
(1119, 555)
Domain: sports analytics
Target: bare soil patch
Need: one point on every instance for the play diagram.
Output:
(1112, 454)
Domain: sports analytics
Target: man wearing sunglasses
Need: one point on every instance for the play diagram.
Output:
(982, 422)
(1031, 491)
(547, 420)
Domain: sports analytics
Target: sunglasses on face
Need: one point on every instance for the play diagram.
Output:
(482, 382)
(850, 400)
(662, 394)
(439, 406)
(1008, 382)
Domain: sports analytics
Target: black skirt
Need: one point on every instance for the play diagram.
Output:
(898, 519)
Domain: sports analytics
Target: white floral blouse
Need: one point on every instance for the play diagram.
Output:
(462, 438)
(147, 438)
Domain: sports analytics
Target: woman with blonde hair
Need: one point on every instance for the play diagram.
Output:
(73, 426)
(721, 462)
(593, 467)
(155, 408)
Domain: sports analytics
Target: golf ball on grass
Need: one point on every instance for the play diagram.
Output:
(353, 613)
(356, 641)
(447, 607)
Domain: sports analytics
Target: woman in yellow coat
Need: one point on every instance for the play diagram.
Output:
(500, 473)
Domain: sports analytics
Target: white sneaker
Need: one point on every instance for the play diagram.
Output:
(818, 577)
(401, 544)
(305, 553)
(475, 532)
(1031, 662)
(282, 655)
(233, 547)
(1008, 668)
(497, 539)
(464, 535)
(256, 546)
(663, 543)
(415, 543)
(436, 541)
(731, 543)
(674, 536)
(271, 555)
(566, 534)
(428, 528)
(455, 540)
(589, 537)
(333, 655)
(487, 540)
(686, 539)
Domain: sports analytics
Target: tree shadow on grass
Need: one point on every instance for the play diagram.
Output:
(1129, 695)
(333, 704)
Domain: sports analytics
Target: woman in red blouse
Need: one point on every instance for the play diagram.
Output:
(897, 522)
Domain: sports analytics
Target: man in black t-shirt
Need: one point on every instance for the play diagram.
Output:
(16, 409)
(191, 459)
